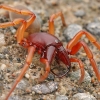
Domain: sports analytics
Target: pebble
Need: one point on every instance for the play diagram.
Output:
(17, 64)
(51, 77)
(51, 2)
(48, 97)
(2, 18)
(3, 67)
(80, 90)
(83, 96)
(13, 30)
(61, 97)
(1, 75)
(1, 86)
(80, 13)
(45, 88)
(27, 76)
(76, 76)
(2, 56)
(71, 31)
(21, 85)
(15, 98)
(94, 28)
(62, 89)
(2, 40)
(98, 95)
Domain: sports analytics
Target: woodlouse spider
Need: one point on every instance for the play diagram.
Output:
(48, 45)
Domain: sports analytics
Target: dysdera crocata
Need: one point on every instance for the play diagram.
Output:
(48, 45)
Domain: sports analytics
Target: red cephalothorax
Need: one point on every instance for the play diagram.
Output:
(50, 47)
(47, 45)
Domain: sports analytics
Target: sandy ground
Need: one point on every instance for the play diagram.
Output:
(12, 56)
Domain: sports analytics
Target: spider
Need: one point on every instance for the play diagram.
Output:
(48, 45)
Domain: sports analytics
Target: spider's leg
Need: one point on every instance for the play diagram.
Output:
(51, 21)
(31, 51)
(81, 68)
(76, 38)
(47, 58)
(47, 70)
(25, 24)
(76, 48)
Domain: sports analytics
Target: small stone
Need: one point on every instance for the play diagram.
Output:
(77, 74)
(2, 18)
(3, 67)
(33, 92)
(79, 13)
(51, 2)
(18, 59)
(2, 96)
(71, 31)
(27, 76)
(44, 29)
(74, 89)
(2, 40)
(28, 90)
(62, 90)
(80, 90)
(15, 98)
(51, 77)
(2, 56)
(45, 88)
(94, 28)
(21, 85)
(17, 64)
(98, 95)
(83, 96)
(61, 97)
(1, 86)
(12, 30)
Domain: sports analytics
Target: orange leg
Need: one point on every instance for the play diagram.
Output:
(76, 48)
(51, 21)
(47, 70)
(31, 51)
(81, 67)
(79, 35)
(25, 24)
